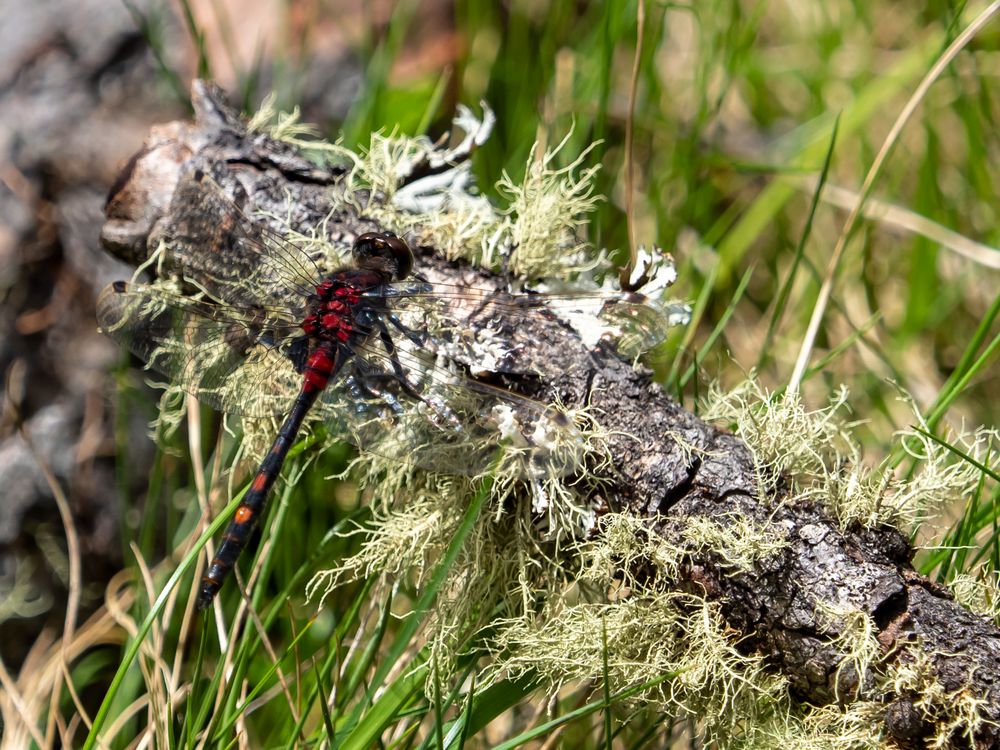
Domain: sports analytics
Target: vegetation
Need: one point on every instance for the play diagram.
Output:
(740, 137)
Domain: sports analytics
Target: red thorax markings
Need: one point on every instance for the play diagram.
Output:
(318, 369)
(332, 318)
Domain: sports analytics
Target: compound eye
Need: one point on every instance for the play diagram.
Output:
(384, 251)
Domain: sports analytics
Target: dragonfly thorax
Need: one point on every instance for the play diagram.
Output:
(333, 311)
(339, 304)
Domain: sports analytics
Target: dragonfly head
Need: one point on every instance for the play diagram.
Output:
(383, 252)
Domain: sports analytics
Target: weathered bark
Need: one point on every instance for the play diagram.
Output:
(669, 466)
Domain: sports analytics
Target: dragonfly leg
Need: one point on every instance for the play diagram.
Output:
(397, 368)
(361, 390)
(417, 337)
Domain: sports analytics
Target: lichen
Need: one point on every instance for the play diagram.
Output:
(951, 713)
(625, 619)
(787, 439)
(618, 558)
(677, 636)
(737, 542)
(287, 127)
(817, 453)
(538, 233)
(545, 215)
(978, 593)
(855, 639)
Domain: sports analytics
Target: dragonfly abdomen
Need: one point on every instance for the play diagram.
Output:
(323, 364)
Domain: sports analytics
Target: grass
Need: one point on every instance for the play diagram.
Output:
(743, 113)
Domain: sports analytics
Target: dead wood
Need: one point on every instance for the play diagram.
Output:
(673, 468)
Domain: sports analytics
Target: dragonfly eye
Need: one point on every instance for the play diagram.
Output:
(383, 251)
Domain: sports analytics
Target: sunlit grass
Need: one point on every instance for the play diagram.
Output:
(744, 111)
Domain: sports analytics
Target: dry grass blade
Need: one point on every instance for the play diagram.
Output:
(905, 220)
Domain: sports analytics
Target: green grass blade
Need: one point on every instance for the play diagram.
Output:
(185, 565)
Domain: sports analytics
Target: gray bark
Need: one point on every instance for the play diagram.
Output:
(673, 468)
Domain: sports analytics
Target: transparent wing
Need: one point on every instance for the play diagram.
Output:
(406, 405)
(451, 316)
(410, 407)
(239, 262)
(232, 359)
(212, 244)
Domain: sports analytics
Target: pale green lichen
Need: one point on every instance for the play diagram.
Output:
(504, 564)
(855, 726)
(816, 452)
(737, 542)
(978, 593)
(649, 633)
(384, 163)
(785, 437)
(530, 501)
(545, 214)
(953, 717)
(679, 637)
(955, 713)
(942, 475)
(855, 638)
(626, 545)
(543, 464)
(400, 540)
(288, 127)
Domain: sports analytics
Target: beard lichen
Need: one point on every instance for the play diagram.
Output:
(953, 714)
(978, 593)
(738, 543)
(545, 215)
(537, 493)
(523, 557)
(538, 233)
(855, 638)
(675, 643)
(818, 454)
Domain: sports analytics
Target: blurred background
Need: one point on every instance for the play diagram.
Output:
(729, 108)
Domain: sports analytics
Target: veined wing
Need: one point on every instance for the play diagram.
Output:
(451, 316)
(231, 358)
(214, 246)
(438, 419)
(422, 413)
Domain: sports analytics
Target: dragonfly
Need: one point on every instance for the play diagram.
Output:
(255, 327)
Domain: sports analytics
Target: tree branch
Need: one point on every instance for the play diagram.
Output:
(669, 466)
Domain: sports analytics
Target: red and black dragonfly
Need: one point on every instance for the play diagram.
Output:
(370, 350)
